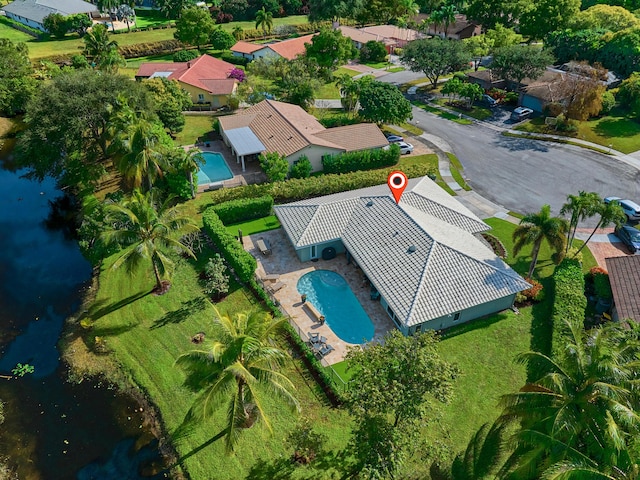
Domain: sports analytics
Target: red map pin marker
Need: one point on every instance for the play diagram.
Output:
(397, 182)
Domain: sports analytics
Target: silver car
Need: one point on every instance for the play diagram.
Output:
(405, 147)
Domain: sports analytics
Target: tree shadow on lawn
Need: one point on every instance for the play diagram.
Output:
(541, 327)
(619, 127)
(327, 464)
(187, 309)
(473, 325)
(100, 308)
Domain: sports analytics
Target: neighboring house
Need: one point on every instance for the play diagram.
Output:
(460, 29)
(272, 126)
(391, 33)
(359, 38)
(288, 49)
(33, 12)
(624, 275)
(422, 254)
(205, 78)
(486, 79)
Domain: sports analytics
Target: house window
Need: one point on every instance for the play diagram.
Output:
(201, 98)
(314, 251)
(456, 317)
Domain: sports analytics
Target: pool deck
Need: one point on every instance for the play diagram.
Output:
(252, 174)
(284, 263)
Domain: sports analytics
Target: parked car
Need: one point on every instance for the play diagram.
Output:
(489, 100)
(631, 208)
(405, 147)
(520, 114)
(630, 236)
(394, 138)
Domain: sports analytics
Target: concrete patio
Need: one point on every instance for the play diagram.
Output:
(284, 263)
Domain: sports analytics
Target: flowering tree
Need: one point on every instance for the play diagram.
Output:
(238, 74)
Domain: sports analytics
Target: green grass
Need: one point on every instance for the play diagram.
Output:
(7, 31)
(254, 226)
(345, 71)
(376, 65)
(328, 91)
(147, 333)
(411, 128)
(443, 114)
(195, 127)
(477, 112)
(430, 159)
(150, 18)
(456, 171)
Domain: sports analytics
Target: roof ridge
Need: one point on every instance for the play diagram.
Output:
(449, 209)
(270, 103)
(421, 282)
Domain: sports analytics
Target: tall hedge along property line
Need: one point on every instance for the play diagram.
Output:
(236, 211)
(569, 303)
(237, 257)
(361, 160)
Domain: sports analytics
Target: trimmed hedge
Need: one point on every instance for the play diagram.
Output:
(361, 160)
(229, 57)
(150, 48)
(570, 302)
(298, 189)
(236, 211)
(232, 250)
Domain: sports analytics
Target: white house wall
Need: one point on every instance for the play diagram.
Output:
(314, 153)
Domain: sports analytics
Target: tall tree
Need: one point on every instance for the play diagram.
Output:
(169, 100)
(582, 407)
(264, 20)
(97, 44)
(172, 8)
(607, 17)
(435, 57)
(581, 206)
(194, 26)
(383, 103)
(548, 16)
(448, 16)
(330, 48)
(17, 84)
(127, 14)
(333, 10)
(517, 62)
(535, 228)
(147, 229)
(489, 13)
(238, 369)
(187, 162)
(609, 213)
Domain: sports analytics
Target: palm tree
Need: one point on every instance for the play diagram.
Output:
(147, 228)
(264, 20)
(436, 18)
(187, 161)
(587, 471)
(581, 206)
(239, 370)
(448, 13)
(536, 227)
(583, 408)
(609, 213)
(97, 44)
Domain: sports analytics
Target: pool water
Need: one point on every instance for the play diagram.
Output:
(215, 169)
(333, 298)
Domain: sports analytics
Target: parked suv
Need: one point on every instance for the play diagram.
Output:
(631, 208)
(520, 114)
(489, 100)
(630, 236)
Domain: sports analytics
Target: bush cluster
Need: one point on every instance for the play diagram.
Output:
(569, 303)
(301, 168)
(229, 57)
(535, 292)
(361, 160)
(601, 282)
(236, 211)
(150, 48)
(236, 256)
(185, 55)
(298, 189)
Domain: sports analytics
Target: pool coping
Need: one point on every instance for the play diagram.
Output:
(219, 183)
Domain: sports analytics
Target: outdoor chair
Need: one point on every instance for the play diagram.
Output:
(325, 350)
(313, 337)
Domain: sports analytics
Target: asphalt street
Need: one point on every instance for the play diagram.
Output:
(521, 174)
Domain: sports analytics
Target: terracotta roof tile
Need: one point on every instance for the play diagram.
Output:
(362, 136)
(246, 47)
(290, 49)
(624, 274)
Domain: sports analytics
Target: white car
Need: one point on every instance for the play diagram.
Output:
(405, 147)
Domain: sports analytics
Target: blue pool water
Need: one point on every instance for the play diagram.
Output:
(215, 169)
(332, 296)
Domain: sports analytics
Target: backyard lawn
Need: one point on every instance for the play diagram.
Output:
(6, 31)
(195, 127)
(258, 225)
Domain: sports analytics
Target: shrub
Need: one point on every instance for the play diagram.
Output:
(553, 109)
(216, 281)
(602, 284)
(236, 211)
(178, 184)
(227, 56)
(236, 256)
(339, 120)
(512, 98)
(373, 52)
(569, 303)
(301, 168)
(238, 74)
(233, 102)
(608, 101)
(185, 55)
(535, 292)
(274, 165)
(285, 30)
(150, 48)
(361, 160)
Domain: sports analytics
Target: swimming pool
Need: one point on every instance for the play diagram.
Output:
(332, 296)
(215, 169)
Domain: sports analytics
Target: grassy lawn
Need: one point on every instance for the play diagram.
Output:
(477, 112)
(7, 31)
(456, 171)
(255, 226)
(618, 130)
(430, 159)
(411, 128)
(195, 127)
(376, 65)
(328, 91)
(150, 18)
(443, 114)
(147, 333)
(345, 71)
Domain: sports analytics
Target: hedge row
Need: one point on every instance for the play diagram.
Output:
(569, 303)
(236, 256)
(150, 48)
(236, 211)
(361, 160)
(301, 188)
(229, 57)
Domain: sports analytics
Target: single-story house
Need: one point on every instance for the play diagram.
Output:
(486, 79)
(272, 126)
(360, 37)
(460, 29)
(288, 49)
(393, 33)
(422, 255)
(624, 275)
(205, 78)
(33, 12)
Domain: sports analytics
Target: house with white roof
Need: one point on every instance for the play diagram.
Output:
(33, 12)
(272, 126)
(423, 254)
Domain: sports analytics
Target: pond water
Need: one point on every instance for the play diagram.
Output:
(53, 429)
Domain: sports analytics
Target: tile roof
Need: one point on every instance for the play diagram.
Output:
(624, 274)
(449, 263)
(246, 47)
(361, 136)
(37, 10)
(393, 32)
(198, 72)
(219, 87)
(291, 48)
(363, 37)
